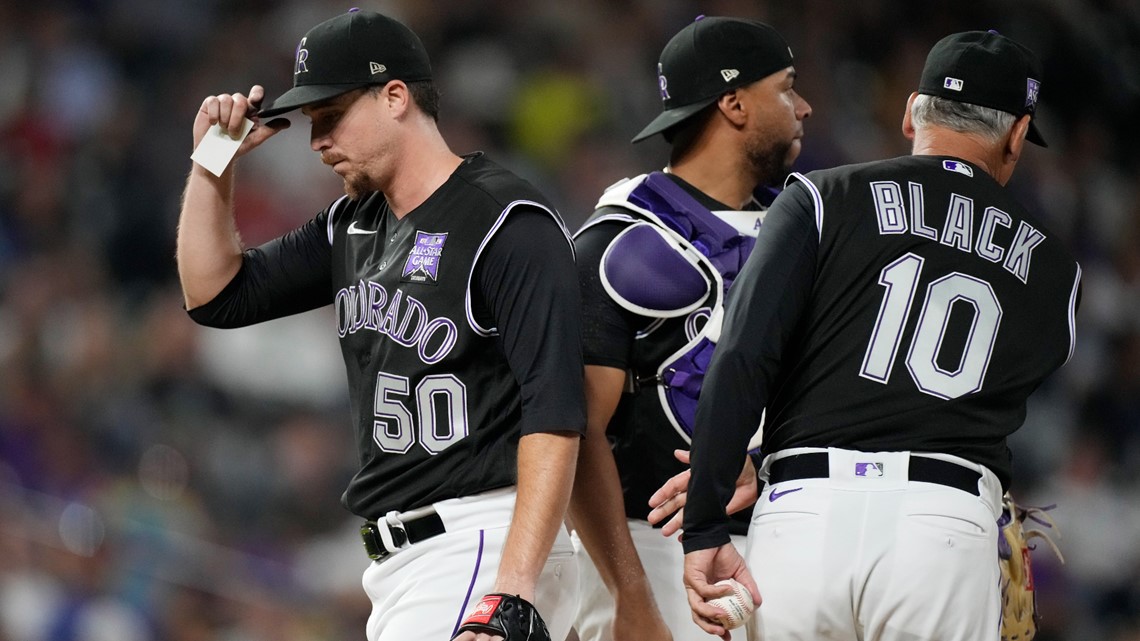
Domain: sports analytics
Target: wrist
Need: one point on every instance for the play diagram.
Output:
(635, 595)
(521, 589)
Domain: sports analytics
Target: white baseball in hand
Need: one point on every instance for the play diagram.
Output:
(738, 606)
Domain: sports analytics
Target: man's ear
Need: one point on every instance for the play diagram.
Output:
(398, 96)
(1016, 141)
(731, 106)
(907, 123)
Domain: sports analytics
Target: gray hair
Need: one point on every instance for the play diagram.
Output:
(990, 124)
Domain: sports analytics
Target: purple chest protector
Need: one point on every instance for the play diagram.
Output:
(688, 259)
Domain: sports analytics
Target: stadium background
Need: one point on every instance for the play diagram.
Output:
(160, 481)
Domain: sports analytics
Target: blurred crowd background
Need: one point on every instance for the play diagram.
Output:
(164, 482)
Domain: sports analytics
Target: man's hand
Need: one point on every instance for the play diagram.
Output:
(703, 569)
(229, 110)
(672, 496)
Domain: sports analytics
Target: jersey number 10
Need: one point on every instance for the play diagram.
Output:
(901, 281)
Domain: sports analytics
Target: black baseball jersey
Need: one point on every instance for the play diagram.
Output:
(441, 315)
(918, 307)
(643, 437)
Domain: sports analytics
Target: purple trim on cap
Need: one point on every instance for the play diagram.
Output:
(354, 9)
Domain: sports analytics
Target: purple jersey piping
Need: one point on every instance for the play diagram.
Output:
(475, 326)
(332, 214)
(816, 198)
(1073, 314)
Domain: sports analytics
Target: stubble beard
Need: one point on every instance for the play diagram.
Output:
(357, 185)
(770, 159)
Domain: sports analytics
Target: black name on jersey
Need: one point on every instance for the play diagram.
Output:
(958, 229)
(402, 318)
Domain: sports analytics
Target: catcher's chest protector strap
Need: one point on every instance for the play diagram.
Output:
(717, 240)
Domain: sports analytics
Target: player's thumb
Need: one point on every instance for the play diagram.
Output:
(262, 132)
(271, 128)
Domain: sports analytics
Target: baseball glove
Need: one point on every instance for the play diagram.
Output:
(1019, 614)
(507, 615)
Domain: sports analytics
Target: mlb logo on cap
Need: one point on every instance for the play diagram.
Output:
(952, 84)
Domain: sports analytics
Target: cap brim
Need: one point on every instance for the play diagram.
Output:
(672, 117)
(305, 95)
(1034, 136)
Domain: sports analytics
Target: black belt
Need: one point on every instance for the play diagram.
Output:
(815, 465)
(403, 534)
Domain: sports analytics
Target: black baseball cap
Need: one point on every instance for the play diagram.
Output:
(709, 57)
(987, 69)
(353, 50)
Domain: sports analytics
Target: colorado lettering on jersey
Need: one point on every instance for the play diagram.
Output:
(958, 229)
(403, 319)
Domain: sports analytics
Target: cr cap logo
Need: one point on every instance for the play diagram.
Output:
(953, 84)
(302, 57)
(729, 74)
(662, 82)
(376, 67)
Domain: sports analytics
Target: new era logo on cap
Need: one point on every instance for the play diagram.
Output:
(376, 67)
(729, 74)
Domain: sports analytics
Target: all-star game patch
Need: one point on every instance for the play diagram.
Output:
(422, 265)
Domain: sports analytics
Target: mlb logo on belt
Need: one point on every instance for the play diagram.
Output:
(422, 265)
(869, 470)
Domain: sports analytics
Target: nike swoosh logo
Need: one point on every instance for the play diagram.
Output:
(352, 229)
(775, 495)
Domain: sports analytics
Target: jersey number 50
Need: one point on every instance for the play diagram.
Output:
(901, 280)
(394, 429)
